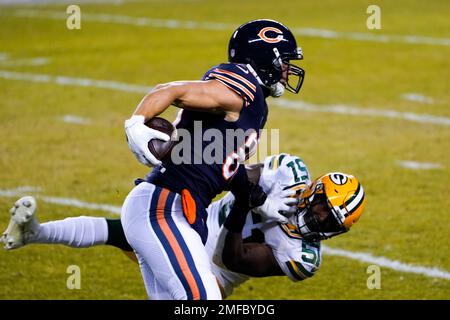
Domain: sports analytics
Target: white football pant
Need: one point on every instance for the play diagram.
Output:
(172, 258)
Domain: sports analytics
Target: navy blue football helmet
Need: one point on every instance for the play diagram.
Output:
(268, 46)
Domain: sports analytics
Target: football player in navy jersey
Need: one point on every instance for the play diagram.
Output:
(230, 96)
(164, 218)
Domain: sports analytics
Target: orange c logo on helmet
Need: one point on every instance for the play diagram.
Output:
(278, 38)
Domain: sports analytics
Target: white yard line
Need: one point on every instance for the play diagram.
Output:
(364, 112)
(283, 103)
(126, 20)
(417, 97)
(184, 24)
(414, 165)
(19, 191)
(32, 62)
(360, 36)
(82, 204)
(388, 263)
(59, 2)
(70, 118)
(83, 2)
(362, 257)
(73, 81)
(7, 61)
(22, 191)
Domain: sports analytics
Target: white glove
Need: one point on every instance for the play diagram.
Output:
(138, 136)
(278, 204)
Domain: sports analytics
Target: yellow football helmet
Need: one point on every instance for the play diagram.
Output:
(339, 196)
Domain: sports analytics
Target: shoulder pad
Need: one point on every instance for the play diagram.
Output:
(236, 77)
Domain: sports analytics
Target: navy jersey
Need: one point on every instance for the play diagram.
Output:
(205, 180)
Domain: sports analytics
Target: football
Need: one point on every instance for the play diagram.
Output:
(160, 149)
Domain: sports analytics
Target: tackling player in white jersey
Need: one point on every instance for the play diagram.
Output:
(262, 246)
(240, 247)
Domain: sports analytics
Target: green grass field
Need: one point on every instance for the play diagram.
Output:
(407, 217)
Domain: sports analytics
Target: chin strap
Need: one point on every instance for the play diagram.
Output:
(276, 90)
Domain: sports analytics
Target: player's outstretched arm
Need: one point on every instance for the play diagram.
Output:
(208, 96)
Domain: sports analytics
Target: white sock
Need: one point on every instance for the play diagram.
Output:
(76, 232)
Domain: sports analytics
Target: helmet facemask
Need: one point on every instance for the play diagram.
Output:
(296, 73)
(282, 63)
(317, 220)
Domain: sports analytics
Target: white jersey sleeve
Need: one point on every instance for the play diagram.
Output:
(299, 259)
(301, 263)
(289, 171)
